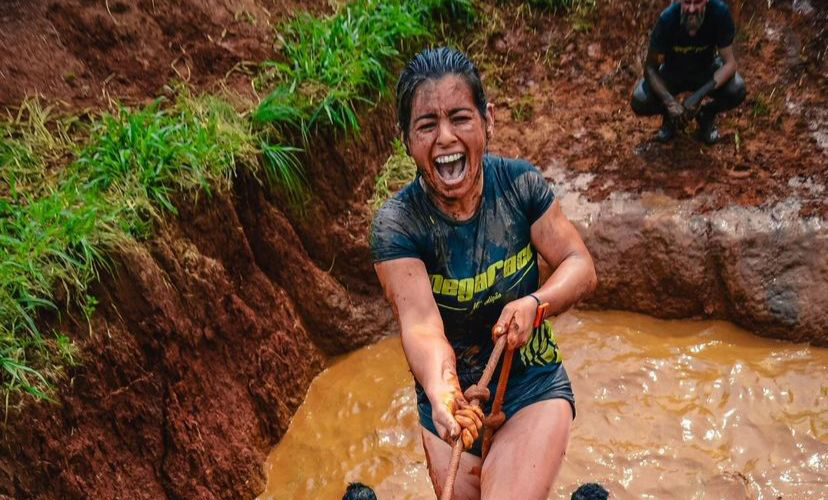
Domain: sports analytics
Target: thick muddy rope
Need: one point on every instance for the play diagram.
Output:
(457, 448)
(479, 392)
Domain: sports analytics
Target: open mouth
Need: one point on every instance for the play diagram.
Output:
(451, 168)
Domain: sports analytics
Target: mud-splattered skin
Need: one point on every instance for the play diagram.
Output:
(475, 266)
(445, 122)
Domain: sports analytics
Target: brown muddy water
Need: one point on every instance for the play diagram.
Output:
(666, 410)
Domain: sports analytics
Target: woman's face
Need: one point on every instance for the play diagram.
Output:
(447, 138)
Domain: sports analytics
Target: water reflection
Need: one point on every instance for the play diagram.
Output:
(666, 409)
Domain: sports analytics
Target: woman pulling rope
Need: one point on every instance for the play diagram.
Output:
(456, 253)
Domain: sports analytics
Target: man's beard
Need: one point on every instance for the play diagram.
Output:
(692, 22)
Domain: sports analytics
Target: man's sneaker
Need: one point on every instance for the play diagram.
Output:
(666, 132)
(707, 129)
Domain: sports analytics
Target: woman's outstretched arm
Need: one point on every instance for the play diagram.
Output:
(430, 356)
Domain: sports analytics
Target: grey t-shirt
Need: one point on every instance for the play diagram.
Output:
(478, 265)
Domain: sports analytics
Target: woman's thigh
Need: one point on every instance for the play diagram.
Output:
(527, 452)
(438, 456)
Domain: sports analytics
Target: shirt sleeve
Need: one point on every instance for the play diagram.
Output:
(726, 30)
(391, 236)
(536, 196)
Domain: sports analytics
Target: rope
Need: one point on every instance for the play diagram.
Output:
(457, 448)
(480, 391)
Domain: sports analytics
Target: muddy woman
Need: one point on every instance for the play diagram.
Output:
(456, 252)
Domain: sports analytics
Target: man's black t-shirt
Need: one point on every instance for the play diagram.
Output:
(686, 54)
(475, 266)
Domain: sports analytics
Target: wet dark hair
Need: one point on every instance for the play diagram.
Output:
(590, 491)
(433, 64)
(358, 491)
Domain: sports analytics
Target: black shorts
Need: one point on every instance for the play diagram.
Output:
(536, 383)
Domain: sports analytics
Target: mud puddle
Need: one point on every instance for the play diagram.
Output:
(666, 409)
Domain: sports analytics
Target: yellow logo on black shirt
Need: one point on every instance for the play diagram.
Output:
(687, 49)
(464, 289)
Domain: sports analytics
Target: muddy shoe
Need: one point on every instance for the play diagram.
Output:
(667, 131)
(707, 129)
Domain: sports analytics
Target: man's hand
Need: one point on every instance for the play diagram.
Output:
(691, 104)
(676, 113)
(516, 321)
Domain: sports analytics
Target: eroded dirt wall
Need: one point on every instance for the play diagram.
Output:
(205, 341)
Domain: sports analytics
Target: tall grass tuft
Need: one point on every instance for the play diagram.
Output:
(336, 65)
(55, 230)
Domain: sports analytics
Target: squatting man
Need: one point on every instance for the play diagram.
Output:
(690, 50)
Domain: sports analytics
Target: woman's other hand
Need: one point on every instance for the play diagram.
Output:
(516, 321)
(454, 416)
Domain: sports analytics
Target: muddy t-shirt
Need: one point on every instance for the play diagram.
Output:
(686, 54)
(475, 266)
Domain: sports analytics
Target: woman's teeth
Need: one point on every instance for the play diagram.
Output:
(451, 167)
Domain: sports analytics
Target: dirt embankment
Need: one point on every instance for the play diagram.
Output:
(84, 52)
(205, 341)
(207, 336)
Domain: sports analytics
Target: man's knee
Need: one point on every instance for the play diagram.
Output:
(733, 93)
(641, 102)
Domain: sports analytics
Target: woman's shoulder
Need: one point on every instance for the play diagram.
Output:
(509, 170)
(402, 206)
(512, 167)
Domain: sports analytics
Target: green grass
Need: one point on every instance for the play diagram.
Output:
(56, 227)
(398, 171)
(72, 189)
(337, 64)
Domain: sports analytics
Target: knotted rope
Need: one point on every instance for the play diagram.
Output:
(480, 392)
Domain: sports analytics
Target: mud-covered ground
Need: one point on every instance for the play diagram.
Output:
(561, 84)
(84, 52)
(566, 84)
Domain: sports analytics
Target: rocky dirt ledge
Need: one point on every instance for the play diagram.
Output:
(764, 268)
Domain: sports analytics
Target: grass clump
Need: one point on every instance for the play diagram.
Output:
(56, 229)
(148, 155)
(331, 67)
(337, 63)
(398, 171)
(66, 202)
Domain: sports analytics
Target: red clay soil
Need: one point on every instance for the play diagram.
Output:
(204, 343)
(563, 99)
(206, 337)
(84, 52)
